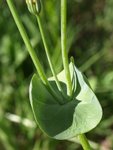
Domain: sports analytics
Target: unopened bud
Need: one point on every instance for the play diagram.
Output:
(34, 6)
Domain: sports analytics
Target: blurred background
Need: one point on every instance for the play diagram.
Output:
(90, 42)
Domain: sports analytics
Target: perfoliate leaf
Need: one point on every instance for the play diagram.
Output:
(79, 114)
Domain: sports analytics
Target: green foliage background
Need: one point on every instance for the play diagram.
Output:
(90, 42)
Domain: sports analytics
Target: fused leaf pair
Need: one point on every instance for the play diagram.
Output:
(77, 115)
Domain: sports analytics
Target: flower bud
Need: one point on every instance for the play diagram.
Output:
(34, 6)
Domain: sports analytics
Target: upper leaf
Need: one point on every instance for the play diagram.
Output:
(79, 114)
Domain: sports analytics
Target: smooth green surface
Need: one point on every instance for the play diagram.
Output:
(64, 46)
(86, 38)
(27, 42)
(84, 142)
(44, 39)
(70, 119)
(29, 47)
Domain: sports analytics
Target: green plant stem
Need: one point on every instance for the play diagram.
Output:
(47, 52)
(84, 142)
(63, 46)
(30, 49)
(27, 42)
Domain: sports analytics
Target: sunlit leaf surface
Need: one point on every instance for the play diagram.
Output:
(78, 114)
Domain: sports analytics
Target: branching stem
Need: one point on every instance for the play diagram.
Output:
(31, 50)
